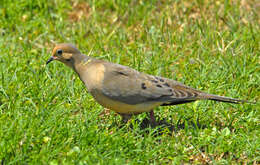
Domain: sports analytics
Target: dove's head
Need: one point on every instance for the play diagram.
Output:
(65, 53)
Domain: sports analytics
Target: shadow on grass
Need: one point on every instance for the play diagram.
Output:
(172, 127)
(162, 125)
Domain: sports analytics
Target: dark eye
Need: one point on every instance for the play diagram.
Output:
(59, 52)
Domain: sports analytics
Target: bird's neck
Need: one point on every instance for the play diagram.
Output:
(80, 62)
(81, 58)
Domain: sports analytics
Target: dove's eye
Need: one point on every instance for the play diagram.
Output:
(59, 52)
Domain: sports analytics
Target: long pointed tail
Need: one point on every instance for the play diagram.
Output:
(224, 99)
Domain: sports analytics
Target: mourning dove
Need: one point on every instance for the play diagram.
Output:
(125, 90)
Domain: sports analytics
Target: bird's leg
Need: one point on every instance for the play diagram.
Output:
(153, 120)
(125, 117)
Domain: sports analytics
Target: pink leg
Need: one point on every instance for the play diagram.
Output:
(153, 120)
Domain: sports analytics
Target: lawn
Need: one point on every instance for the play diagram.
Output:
(48, 117)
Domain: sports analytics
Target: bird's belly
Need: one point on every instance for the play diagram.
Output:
(124, 108)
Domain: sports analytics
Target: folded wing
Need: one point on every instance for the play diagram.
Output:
(136, 87)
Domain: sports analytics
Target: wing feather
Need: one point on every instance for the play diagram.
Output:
(136, 87)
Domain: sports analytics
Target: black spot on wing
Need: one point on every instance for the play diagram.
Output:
(121, 73)
(143, 86)
(154, 81)
(166, 84)
(162, 80)
(159, 86)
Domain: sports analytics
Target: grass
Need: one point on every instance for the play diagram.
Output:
(47, 116)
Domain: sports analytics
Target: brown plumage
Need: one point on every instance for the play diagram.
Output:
(125, 90)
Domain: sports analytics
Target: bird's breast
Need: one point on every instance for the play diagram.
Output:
(121, 107)
(92, 76)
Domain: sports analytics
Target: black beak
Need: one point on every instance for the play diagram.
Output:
(50, 60)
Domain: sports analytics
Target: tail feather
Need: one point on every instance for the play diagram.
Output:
(224, 99)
